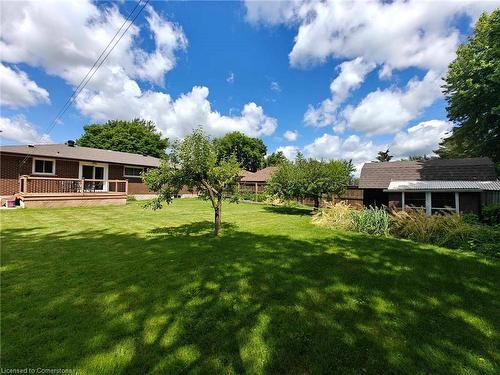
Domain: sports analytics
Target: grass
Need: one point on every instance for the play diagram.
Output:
(127, 290)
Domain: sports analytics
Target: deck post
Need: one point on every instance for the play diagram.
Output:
(256, 190)
(82, 185)
(126, 187)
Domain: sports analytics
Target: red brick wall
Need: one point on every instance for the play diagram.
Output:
(135, 185)
(11, 169)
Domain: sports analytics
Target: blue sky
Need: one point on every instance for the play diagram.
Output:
(345, 80)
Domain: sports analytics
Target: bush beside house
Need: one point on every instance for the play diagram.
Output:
(449, 230)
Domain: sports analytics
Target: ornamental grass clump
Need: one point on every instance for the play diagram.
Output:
(334, 215)
(436, 229)
(371, 220)
(448, 230)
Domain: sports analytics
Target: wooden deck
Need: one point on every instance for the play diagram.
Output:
(38, 192)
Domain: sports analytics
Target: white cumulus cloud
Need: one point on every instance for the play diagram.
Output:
(175, 118)
(421, 139)
(290, 152)
(351, 148)
(17, 90)
(291, 135)
(398, 34)
(65, 38)
(388, 111)
(19, 130)
(351, 76)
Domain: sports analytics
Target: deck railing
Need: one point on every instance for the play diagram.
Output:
(29, 185)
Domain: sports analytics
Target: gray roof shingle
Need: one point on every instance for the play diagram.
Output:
(379, 175)
(82, 153)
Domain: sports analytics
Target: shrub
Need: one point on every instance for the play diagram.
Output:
(491, 214)
(372, 220)
(248, 196)
(470, 218)
(450, 230)
(337, 215)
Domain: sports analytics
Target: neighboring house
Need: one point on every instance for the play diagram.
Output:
(255, 182)
(460, 185)
(70, 175)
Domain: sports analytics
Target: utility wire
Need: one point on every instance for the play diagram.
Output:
(93, 70)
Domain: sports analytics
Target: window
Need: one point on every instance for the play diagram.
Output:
(443, 202)
(43, 166)
(415, 200)
(132, 171)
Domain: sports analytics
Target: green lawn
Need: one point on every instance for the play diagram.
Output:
(128, 290)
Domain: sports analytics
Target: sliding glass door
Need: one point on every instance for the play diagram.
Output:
(94, 172)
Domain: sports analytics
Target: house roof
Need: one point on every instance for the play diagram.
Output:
(262, 175)
(82, 153)
(443, 185)
(379, 175)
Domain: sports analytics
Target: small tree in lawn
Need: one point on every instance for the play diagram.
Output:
(324, 178)
(310, 178)
(193, 163)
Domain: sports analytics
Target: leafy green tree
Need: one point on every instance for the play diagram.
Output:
(193, 163)
(136, 136)
(384, 156)
(310, 178)
(472, 90)
(250, 152)
(275, 159)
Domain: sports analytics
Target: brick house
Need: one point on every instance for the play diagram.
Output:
(67, 173)
(435, 185)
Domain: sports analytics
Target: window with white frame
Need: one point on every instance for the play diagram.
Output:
(44, 166)
(129, 171)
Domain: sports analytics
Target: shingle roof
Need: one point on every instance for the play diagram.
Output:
(379, 175)
(262, 175)
(443, 185)
(82, 153)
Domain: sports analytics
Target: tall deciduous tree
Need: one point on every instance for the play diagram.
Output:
(275, 159)
(136, 136)
(472, 90)
(193, 162)
(310, 178)
(384, 156)
(250, 152)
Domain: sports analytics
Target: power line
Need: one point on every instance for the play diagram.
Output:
(74, 94)
(93, 70)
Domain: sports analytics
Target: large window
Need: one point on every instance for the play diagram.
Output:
(132, 171)
(44, 166)
(415, 200)
(443, 202)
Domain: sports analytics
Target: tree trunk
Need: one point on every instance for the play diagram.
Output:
(316, 203)
(217, 219)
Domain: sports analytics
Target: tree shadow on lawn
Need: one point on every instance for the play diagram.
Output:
(300, 211)
(180, 301)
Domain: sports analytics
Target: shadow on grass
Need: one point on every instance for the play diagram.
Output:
(193, 229)
(182, 300)
(301, 211)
